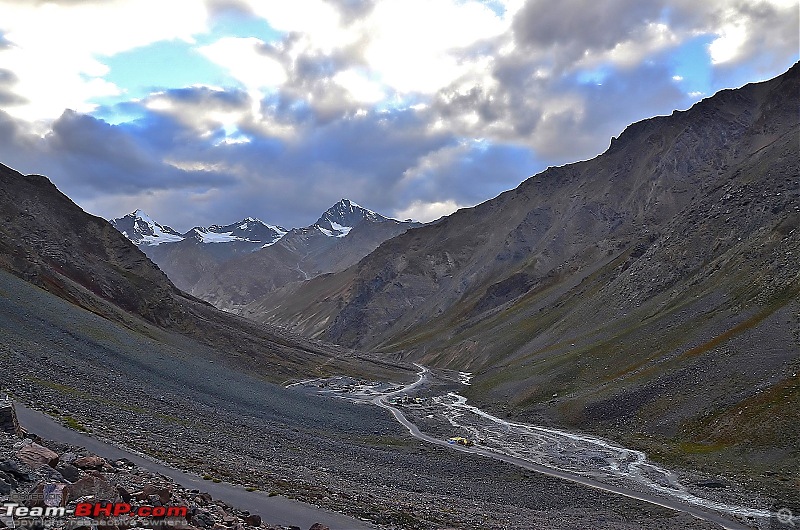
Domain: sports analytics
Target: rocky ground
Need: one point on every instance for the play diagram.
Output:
(45, 473)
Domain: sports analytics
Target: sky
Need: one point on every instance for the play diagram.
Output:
(208, 111)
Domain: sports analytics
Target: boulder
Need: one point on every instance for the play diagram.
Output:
(202, 520)
(90, 485)
(12, 468)
(37, 456)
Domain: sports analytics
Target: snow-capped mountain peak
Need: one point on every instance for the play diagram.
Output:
(343, 216)
(141, 229)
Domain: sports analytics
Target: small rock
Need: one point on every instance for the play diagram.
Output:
(9, 478)
(319, 526)
(124, 494)
(69, 472)
(164, 494)
(204, 497)
(89, 462)
(202, 520)
(253, 520)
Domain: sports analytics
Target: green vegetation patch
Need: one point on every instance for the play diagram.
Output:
(74, 424)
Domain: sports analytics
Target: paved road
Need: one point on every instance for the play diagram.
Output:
(274, 510)
(381, 401)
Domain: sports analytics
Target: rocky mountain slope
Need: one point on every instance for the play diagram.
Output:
(47, 240)
(650, 293)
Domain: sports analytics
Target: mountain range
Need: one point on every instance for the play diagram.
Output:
(235, 264)
(649, 294)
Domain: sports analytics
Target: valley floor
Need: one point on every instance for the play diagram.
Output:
(177, 401)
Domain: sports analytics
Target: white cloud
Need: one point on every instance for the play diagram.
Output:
(245, 61)
(317, 20)
(725, 48)
(427, 211)
(360, 88)
(55, 47)
(416, 45)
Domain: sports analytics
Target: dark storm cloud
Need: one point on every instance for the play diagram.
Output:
(628, 96)
(561, 33)
(87, 157)
(309, 85)
(288, 181)
(208, 97)
(292, 180)
(574, 26)
(112, 158)
(562, 117)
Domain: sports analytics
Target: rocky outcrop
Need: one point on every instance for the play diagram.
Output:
(8, 417)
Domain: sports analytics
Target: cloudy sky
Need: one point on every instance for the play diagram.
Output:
(207, 111)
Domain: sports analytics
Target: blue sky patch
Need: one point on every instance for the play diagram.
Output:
(162, 65)
(692, 62)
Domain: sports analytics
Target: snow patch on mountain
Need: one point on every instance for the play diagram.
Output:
(343, 230)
